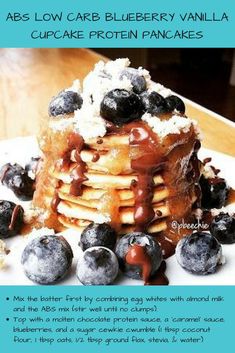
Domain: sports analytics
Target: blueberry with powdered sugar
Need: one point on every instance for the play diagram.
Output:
(121, 106)
(214, 192)
(154, 103)
(11, 219)
(97, 266)
(137, 80)
(64, 103)
(16, 179)
(98, 235)
(151, 247)
(47, 259)
(223, 228)
(175, 103)
(199, 253)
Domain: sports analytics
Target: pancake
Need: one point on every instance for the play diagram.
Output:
(72, 210)
(80, 225)
(91, 197)
(99, 180)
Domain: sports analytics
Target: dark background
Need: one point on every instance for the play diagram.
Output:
(202, 75)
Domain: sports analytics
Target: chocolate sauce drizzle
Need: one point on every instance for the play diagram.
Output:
(75, 141)
(78, 173)
(14, 217)
(138, 256)
(4, 172)
(149, 159)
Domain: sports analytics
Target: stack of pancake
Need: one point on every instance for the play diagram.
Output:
(106, 194)
(106, 188)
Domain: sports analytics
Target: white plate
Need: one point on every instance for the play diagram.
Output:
(22, 149)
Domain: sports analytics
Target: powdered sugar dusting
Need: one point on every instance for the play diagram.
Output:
(104, 78)
(157, 87)
(89, 123)
(175, 125)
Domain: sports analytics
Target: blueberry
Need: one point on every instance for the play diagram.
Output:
(11, 218)
(97, 266)
(138, 81)
(47, 259)
(199, 253)
(16, 178)
(120, 106)
(65, 102)
(223, 228)
(175, 103)
(152, 249)
(32, 166)
(154, 103)
(98, 235)
(214, 192)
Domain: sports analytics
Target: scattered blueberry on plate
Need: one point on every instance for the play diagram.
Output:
(97, 266)
(154, 103)
(16, 179)
(11, 219)
(214, 192)
(223, 228)
(138, 81)
(152, 248)
(175, 103)
(47, 259)
(98, 235)
(199, 253)
(121, 106)
(64, 103)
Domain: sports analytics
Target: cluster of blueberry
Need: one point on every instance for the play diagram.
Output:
(201, 252)
(48, 258)
(214, 192)
(64, 103)
(103, 254)
(121, 106)
(17, 179)
(7, 227)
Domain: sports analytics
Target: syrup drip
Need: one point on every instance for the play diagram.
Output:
(148, 160)
(138, 256)
(4, 172)
(75, 141)
(14, 217)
